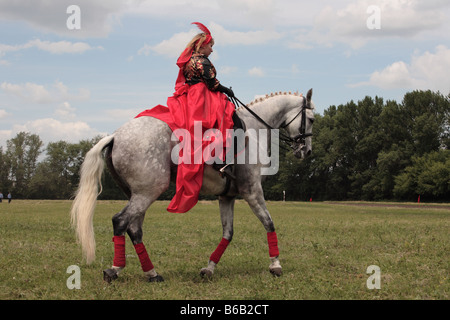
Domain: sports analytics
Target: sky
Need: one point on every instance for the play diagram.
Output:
(71, 73)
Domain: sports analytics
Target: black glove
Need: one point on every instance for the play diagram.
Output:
(225, 90)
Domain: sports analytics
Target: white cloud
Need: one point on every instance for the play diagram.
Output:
(37, 93)
(97, 17)
(225, 37)
(426, 71)
(65, 111)
(253, 13)
(122, 115)
(2, 61)
(325, 22)
(175, 45)
(59, 47)
(256, 72)
(171, 47)
(397, 75)
(50, 130)
(28, 91)
(3, 114)
(347, 22)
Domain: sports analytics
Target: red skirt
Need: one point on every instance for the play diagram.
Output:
(193, 110)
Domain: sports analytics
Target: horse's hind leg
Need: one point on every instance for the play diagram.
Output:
(135, 233)
(130, 221)
(120, 225)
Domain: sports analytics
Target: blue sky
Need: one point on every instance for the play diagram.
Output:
(72, 84)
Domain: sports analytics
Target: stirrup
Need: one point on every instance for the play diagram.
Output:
(225, 170)
(222, 170)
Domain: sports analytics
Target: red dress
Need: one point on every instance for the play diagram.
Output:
(195, 100)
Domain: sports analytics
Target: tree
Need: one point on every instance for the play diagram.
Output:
(5, 183)
(426, 118)
(21, 157)
(327, 173)
(428, 176)
(368, 143)
(389, 164)
(58, 175)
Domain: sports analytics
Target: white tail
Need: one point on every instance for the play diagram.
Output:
(83, 207)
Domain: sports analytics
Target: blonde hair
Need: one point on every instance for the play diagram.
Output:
(197, 42)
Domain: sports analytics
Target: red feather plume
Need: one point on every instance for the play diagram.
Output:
(202, 28)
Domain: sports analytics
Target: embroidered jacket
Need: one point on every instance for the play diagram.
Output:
(200, 69)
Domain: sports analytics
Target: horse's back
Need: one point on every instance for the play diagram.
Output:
(141, 154)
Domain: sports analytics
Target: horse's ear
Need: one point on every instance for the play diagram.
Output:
(309, 95)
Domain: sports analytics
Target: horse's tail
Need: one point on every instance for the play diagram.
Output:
(82, 212)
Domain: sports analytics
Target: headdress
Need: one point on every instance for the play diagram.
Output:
(205, 31)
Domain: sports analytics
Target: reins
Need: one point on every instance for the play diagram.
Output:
(299, 138)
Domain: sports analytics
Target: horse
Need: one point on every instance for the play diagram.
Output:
(139, 156)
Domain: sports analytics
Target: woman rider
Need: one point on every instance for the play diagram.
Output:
(199, 98)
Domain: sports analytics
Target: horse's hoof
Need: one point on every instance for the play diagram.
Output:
(109, 275)
(205, 272)
(276, 271)
(157, 278)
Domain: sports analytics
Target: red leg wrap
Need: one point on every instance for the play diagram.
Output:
(217, 254)
(273, 244)
(119, 251)
(146, 264)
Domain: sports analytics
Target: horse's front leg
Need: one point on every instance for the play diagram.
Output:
(258, 205)
(226, 215)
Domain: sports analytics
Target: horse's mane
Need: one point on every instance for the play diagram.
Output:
(274, 94)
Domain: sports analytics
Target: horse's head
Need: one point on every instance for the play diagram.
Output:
(300, 128)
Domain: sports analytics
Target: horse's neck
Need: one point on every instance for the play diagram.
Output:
(272, 110)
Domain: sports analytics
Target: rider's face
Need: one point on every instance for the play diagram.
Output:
(207, 49)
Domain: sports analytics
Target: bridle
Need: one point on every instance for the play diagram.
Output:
(300, 138)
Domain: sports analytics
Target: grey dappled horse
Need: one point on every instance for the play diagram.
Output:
(138, 155)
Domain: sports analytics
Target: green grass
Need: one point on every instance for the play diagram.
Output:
(325, 250)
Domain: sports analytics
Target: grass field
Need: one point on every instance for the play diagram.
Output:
(325, 250)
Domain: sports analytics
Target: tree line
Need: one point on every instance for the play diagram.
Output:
(374, 150)
(365, 150)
